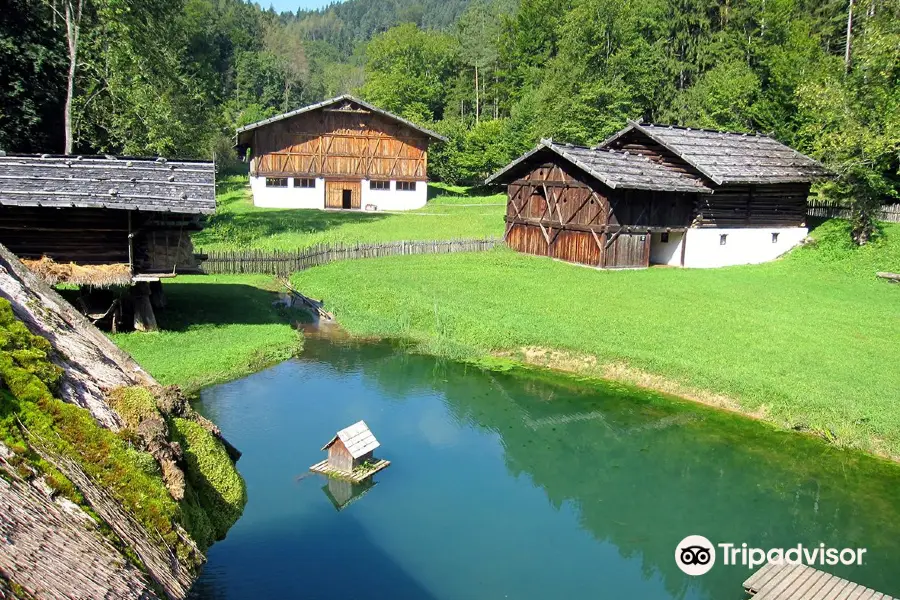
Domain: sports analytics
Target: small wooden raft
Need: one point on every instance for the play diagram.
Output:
(796, 582)
(358, 475)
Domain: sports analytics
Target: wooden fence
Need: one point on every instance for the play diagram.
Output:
(283, 263)
(833, 210)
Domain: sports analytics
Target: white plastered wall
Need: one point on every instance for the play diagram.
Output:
(289, 197)
(743, 246)
(394, 199)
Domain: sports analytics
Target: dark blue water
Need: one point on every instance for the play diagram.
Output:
(520, 485)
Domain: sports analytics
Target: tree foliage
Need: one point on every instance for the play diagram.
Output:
(176, 76)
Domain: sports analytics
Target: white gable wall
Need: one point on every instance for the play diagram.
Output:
(743, 245)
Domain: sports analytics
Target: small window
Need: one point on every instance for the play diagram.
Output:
(406, 186)
(664, 237)
(304, 183)
(723, 239)
(774, 237)
(381, 185)
(277, 182)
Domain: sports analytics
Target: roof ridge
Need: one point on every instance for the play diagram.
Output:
(754, 133)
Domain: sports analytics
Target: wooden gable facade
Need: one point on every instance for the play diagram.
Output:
(344, 138)
(558, 207)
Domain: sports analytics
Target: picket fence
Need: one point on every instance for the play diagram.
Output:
(283, 263)
(833, 210)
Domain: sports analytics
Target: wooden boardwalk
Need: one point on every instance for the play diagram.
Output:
(799, 582)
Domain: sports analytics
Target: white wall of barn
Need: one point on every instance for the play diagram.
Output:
(742, 245)
(394, 199)
(287, 197)
(297, 197)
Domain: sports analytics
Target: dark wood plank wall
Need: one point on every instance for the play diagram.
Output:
(92, 236)
(776, 205)
(555, 210)
(343, 143)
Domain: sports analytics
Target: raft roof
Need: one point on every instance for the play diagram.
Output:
(124, 183)
(731, 158)
(357, 438)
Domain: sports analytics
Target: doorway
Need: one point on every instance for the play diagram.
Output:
(342, 194)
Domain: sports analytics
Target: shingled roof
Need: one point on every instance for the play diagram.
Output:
(242, 139)
(731, 158)
(155, 185)
(614, 168)
(357, 438)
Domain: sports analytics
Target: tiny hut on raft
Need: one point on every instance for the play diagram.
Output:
(102, 221)
(659, 194)
(350, 454)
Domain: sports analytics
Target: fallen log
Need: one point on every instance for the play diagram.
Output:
(890, 276)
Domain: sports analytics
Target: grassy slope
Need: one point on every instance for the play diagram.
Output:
(452, 213)
(811, 341)
(215, 328)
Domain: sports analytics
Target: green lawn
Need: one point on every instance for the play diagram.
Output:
(215, 328)
(451, 212)
(811, 341)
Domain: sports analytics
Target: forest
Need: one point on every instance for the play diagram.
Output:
(175, 77)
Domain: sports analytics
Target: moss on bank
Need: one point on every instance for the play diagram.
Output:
(216, 485)
(30, 414)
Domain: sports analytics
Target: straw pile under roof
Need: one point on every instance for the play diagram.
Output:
(95, 275)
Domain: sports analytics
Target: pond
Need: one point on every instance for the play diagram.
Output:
(520, 484)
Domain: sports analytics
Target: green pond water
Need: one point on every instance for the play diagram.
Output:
(520, 485)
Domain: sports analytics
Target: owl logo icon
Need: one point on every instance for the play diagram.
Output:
(695, 555)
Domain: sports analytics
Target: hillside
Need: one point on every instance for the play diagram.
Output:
(110, 483)
(344, 24)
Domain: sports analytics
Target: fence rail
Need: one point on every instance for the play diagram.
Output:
(833, 210)
(282, 263)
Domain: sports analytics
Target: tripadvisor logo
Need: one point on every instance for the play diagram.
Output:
(696, 555)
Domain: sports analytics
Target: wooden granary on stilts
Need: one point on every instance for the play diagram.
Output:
(103, 221)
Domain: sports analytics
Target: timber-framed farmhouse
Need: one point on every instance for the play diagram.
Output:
(342, 153)
(654, 194)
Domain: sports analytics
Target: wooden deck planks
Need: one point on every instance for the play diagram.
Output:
(800, 582)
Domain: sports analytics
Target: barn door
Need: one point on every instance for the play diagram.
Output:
(627, 250)
(342, 194)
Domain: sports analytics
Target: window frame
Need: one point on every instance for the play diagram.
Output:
(298, 183)
(406, 186)
(723, 239)
(775, 237)
(379, 185)
(664, 237)
(270, 182)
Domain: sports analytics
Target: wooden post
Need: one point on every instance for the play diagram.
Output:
(157, 296)
(144, 319)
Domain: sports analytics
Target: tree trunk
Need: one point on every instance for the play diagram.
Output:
(849, 34)
(477, 111)
(73, 23)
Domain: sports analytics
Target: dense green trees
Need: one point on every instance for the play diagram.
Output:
(175, 77)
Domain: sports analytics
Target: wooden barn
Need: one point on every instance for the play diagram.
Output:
(655, 194)
(342, 153)
(105, 221)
